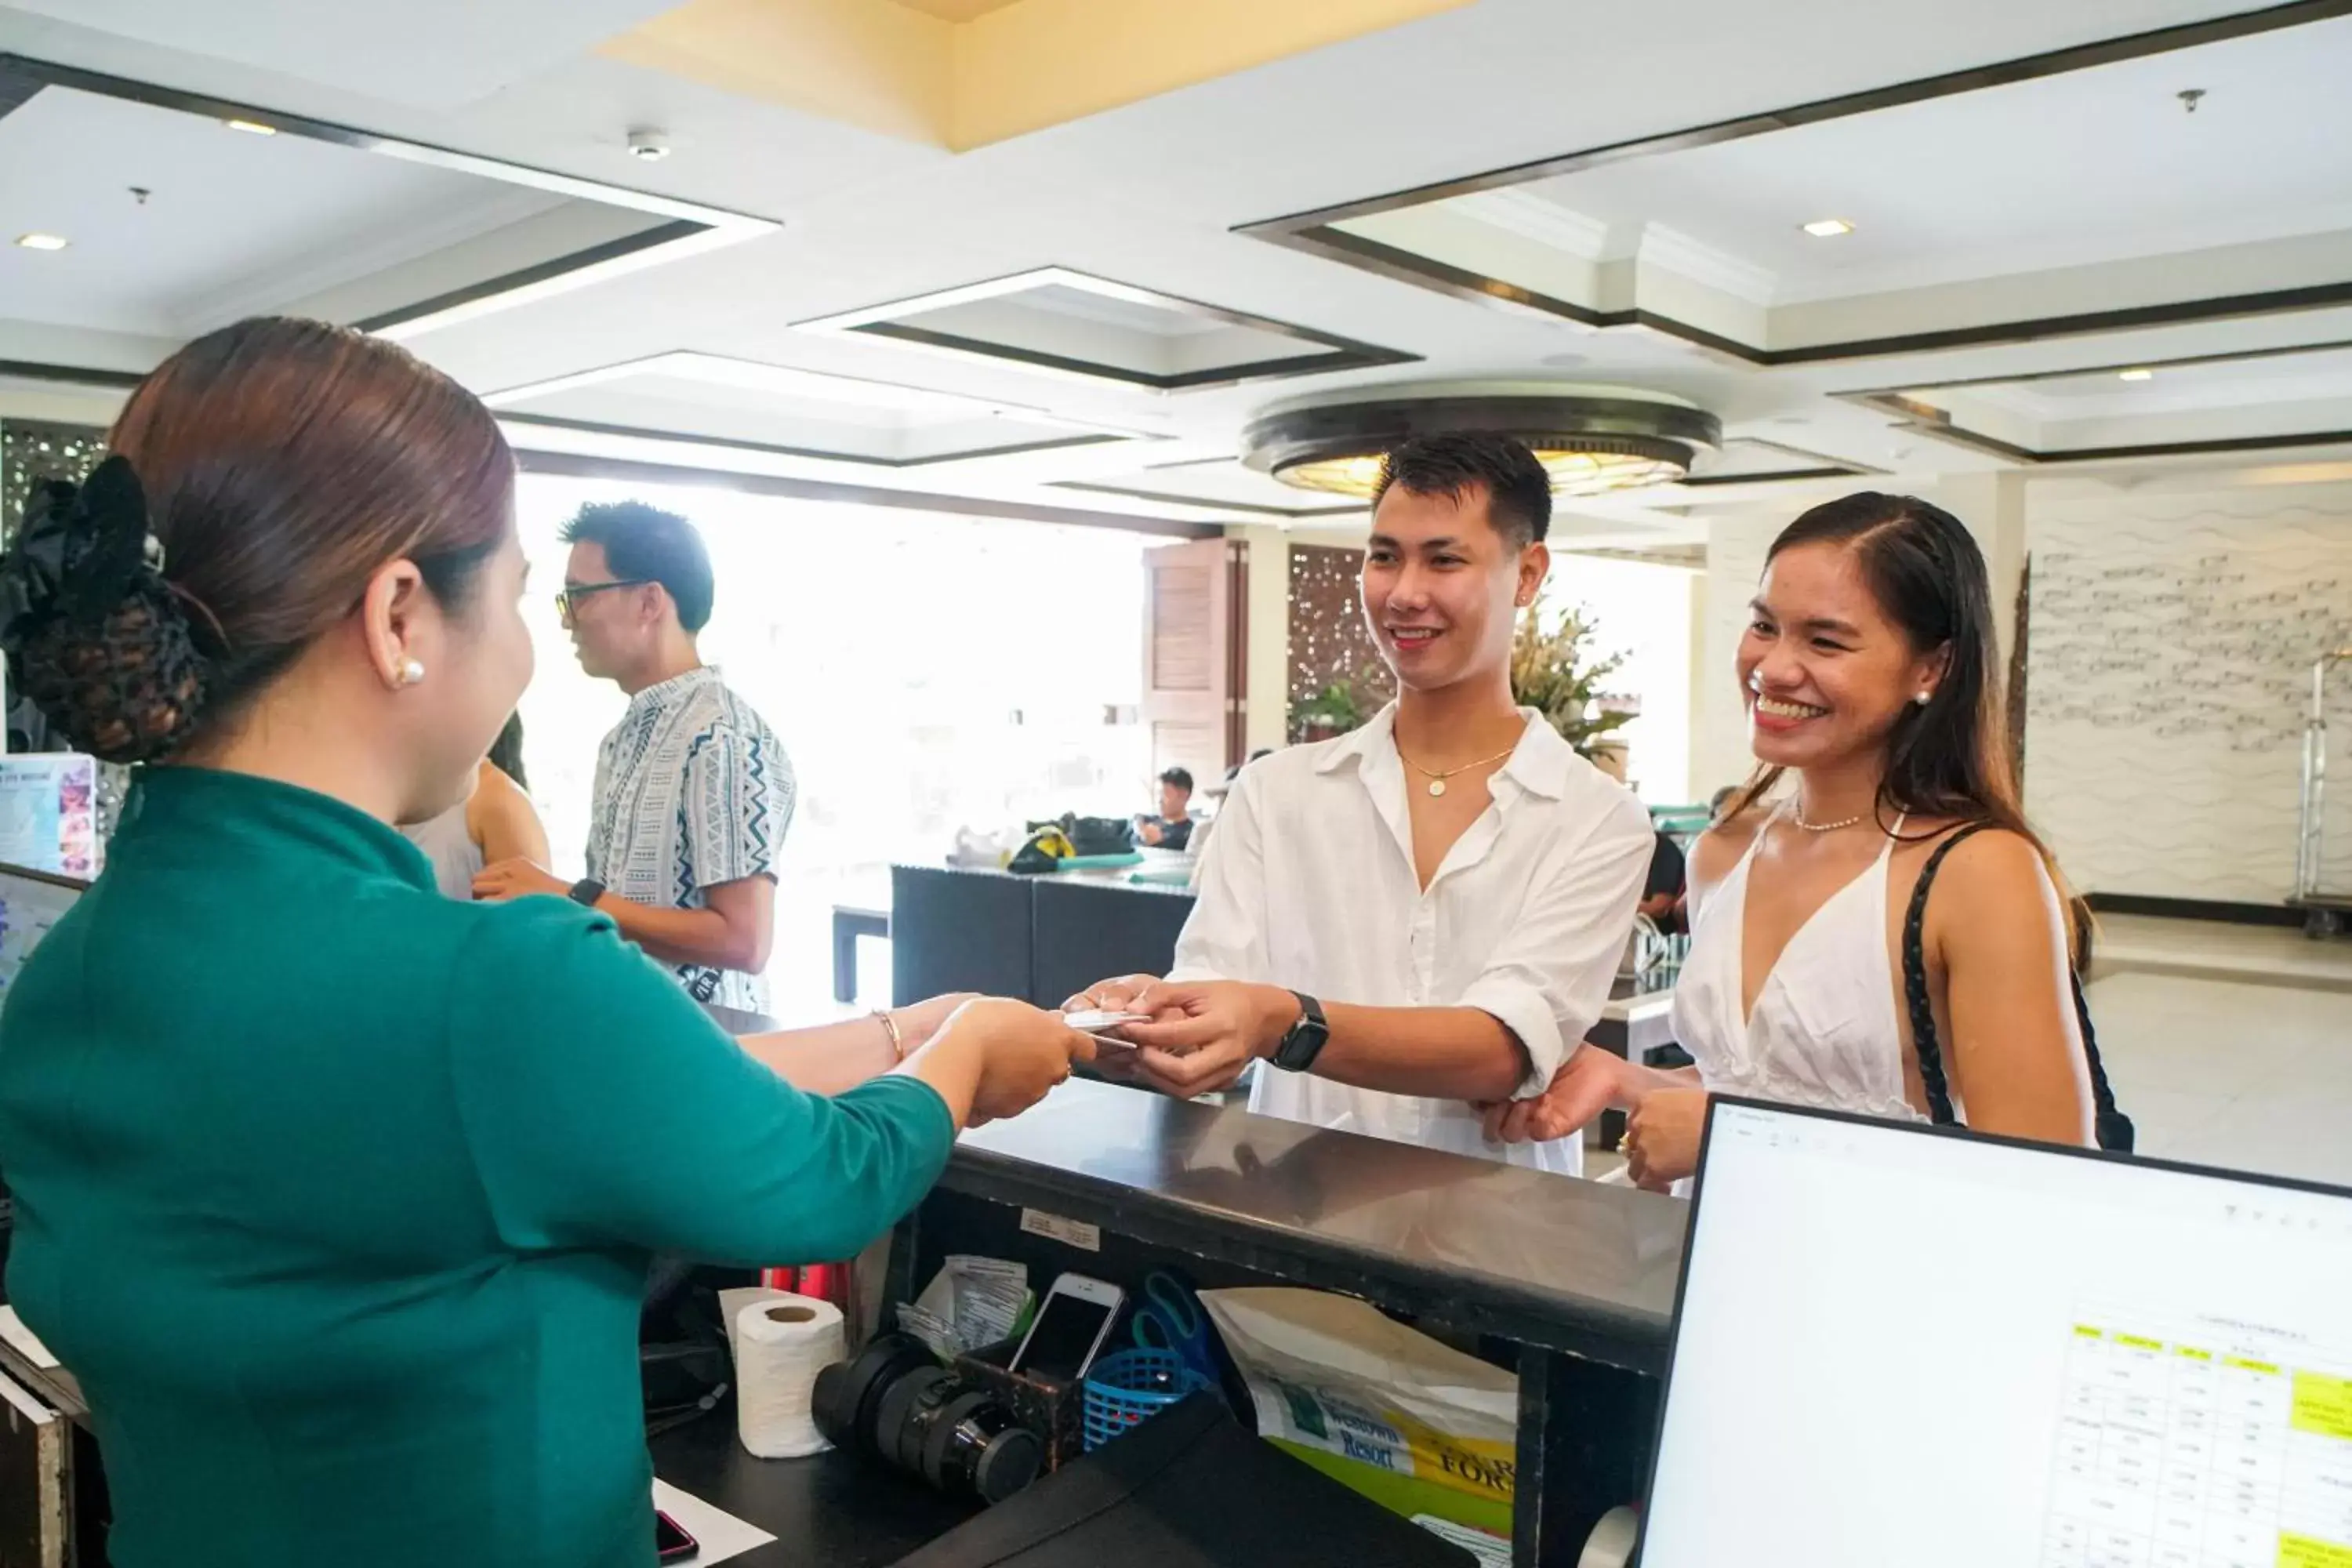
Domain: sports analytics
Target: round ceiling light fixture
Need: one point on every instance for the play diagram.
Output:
(1590, 439)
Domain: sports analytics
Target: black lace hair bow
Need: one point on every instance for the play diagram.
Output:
(77, 554)
(95, 637)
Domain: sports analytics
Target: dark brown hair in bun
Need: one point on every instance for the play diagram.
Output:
(282, 462)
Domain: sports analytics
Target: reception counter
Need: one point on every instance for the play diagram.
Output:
(1570, 1283)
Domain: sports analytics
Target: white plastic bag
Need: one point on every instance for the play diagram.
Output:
(1415, 1425)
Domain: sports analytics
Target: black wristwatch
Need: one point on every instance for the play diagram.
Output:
(586, 891)
(1303, 1041)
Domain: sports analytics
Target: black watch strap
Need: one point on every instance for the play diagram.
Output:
(1303, 1041)
(586, 891)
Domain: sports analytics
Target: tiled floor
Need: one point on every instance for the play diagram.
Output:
(2265, 954)
(2252, 1077)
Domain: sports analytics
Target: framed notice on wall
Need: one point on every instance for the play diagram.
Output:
(48, 812)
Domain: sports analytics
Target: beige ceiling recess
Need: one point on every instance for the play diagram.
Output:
(961, 74)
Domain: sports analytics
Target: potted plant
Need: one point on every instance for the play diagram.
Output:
(1553, 673)
(1330, 712)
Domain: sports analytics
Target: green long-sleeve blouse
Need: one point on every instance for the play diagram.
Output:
(338, 1195)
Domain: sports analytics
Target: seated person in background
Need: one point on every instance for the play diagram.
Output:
(1452, 875)
(1662, 895)
(1172, 828)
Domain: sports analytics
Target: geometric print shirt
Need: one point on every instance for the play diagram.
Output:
(692, 790)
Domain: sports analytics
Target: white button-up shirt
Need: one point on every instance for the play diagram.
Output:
(1308, 883)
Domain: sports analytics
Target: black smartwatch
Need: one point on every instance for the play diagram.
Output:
(1303, 1041)
(586, 891)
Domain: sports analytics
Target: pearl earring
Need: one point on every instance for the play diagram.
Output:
(411, 672)
(1923, 697)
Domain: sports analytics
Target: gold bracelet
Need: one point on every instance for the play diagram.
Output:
(890, 1027)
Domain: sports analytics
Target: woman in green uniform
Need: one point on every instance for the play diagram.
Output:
(337, 1196)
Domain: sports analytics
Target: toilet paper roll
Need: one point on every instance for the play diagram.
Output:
(1610, 1545)
(782, 1342)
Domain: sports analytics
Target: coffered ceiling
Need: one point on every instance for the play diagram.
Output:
(2056, 262)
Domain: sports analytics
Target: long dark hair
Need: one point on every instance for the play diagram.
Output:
(505, 752)
(1949, 758)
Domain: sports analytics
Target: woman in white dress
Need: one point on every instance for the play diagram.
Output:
(496, 823)
(1869, 675)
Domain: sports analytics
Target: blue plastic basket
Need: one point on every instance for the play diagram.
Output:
(1133, 1386)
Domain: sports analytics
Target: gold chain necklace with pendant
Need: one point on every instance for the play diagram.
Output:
(1437, 780)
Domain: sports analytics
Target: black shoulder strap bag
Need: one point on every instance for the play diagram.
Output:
(2115, 1129)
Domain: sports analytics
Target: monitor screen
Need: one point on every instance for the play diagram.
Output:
(1898, 1347)
(30, 903)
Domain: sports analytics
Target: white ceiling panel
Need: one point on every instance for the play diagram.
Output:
(232, 222)
(2089, 166)
(1224, 483)
(715, 397)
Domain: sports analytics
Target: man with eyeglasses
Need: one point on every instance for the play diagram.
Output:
(693, 791)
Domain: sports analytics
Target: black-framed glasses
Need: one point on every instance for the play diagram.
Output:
(568, 600)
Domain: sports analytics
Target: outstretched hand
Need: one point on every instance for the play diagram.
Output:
(1588, 1083)
(1201, 1033)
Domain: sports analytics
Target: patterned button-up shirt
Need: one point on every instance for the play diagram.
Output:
(692, 790)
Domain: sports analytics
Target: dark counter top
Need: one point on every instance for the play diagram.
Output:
(1117, 877)
(1550, 1261)
(832, 1508)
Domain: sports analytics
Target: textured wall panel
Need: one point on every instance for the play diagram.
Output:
(2169, 668)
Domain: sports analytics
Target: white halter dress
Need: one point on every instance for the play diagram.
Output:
(1823, 1032)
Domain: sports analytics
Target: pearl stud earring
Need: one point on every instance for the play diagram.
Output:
(411, 672)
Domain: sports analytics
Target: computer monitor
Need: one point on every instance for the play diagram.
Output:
(30, 903)
(1894, 1346)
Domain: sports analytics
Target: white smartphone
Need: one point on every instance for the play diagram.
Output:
(1070, 1327)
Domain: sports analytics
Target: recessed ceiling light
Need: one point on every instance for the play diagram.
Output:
(1828, 227)
(251, 127)
(43, 241)
(2138, 372)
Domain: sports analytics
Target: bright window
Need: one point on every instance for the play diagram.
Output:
(925, 672)
(1642, 609)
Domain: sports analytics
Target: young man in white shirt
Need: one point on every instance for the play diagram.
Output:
(1427, 913)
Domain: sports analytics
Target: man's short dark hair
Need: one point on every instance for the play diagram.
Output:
(646, 544)
(1519, 491)
(1181, 777)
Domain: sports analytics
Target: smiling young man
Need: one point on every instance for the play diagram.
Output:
(1428, 912)
(693, 791)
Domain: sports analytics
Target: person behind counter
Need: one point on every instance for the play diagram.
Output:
(495, 821)
(1662, 890)
(1452, 875)
(337, 1196)
(693, 791)
(1867, 668)
(1172, 828)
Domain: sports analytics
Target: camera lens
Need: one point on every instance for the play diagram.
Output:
(848, 1394)
(895, 1402)
(975, 1446)
(903, 1421)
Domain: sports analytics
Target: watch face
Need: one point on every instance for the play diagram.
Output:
(1304, 1040)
